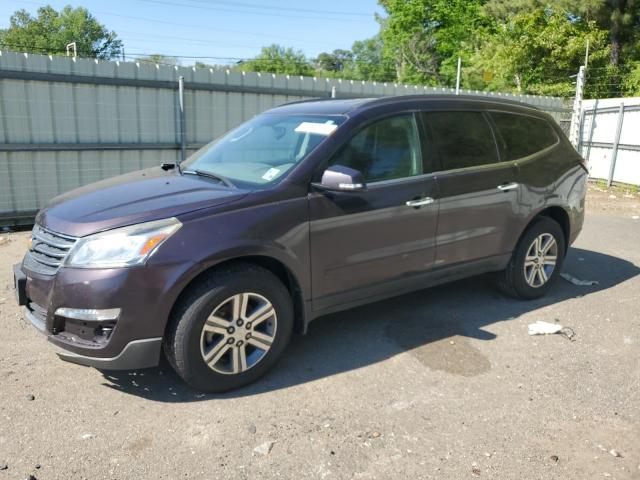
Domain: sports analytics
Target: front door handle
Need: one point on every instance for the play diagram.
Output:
(419, 202)
(508, 186)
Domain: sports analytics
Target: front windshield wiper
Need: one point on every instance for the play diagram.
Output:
(213, 176)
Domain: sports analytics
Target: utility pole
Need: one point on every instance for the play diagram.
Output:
(574, 133)
(586, 56)
(458, 76)
(183, 127)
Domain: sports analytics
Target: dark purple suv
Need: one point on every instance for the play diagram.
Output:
(309, 208)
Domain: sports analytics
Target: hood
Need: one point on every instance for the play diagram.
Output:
(136, 197)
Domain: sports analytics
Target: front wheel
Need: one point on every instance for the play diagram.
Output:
(536, 262)
(229, 329)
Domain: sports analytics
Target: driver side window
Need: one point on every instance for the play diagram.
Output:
(385, 150)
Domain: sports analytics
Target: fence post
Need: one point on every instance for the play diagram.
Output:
(458, 74)
(592, 126)
(616, 142)
(574, 133)
(183, 128)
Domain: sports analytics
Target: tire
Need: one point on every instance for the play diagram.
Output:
(522, 282)
(209, 358)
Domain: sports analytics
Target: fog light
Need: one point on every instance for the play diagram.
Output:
(89, 314)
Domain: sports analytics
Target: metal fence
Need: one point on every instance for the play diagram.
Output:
(66, 122)
(610, 139)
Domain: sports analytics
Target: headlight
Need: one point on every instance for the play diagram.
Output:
(121, 247)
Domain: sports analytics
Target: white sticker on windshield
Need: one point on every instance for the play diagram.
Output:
(270, 174)
(317, 128)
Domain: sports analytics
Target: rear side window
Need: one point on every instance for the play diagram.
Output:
(523, 135)
(463, 139)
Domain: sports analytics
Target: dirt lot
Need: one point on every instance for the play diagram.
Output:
(442, 383)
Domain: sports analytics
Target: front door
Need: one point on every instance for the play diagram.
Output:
(479, 194)
(362, 241)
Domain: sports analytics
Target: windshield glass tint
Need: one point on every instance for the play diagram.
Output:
(262, 150)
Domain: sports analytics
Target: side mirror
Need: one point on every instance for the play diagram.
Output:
(339, 178)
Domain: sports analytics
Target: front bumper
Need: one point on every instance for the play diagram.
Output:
(133, 341)
(135, 355)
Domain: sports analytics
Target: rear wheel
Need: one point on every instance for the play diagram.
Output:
(230, 329)
(536, 262)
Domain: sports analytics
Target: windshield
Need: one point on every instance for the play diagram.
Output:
(262, 150)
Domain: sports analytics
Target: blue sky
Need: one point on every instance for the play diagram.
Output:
(224, 28)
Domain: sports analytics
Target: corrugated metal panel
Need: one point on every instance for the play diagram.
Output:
(598, 135)
(48, 100)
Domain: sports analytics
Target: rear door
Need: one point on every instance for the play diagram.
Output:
(479, 194)
(361, 242)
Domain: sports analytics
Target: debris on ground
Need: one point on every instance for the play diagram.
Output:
(375, 434)
(554, 458)
(4, 240)
(264, 449)
(546, 328)
(30, 397)
(475, 471)
(87, 436)
(615, 453)
(4, 466)
(575, 281)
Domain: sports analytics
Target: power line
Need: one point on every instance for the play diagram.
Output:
(198, 41)
(207, 28)
(287, 8)
(192, 26)
(245, 12)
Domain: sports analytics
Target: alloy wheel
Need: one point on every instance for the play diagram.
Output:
(238, 333)
(540, 260)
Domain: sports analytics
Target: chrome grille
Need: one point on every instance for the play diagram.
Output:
(48, 250)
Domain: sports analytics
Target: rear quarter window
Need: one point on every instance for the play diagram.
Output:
(523, 135)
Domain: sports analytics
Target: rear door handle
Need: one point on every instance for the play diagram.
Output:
(508, 186)
(419, 202)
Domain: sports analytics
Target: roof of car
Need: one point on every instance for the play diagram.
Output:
(352, 105)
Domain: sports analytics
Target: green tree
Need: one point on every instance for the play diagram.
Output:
(369, 62)
(426, 36)
(536, 52)
(51, 31)
(620, 18)
(278, 59)
(335, 61)
(160, 59)
(631, 83)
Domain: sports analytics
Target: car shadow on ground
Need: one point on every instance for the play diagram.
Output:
(373, 333)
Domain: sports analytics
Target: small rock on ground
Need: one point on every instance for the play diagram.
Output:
(264, 449)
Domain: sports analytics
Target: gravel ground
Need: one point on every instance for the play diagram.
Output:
(444, 383)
